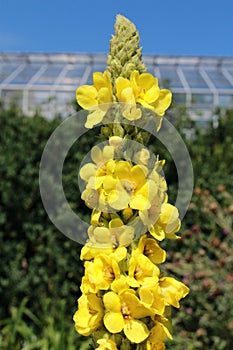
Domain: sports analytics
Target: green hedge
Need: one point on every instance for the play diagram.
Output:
(37, 261)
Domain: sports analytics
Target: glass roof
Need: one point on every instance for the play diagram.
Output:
(36, 79)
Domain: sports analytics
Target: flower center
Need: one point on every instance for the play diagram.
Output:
(138, 272)
(148, 251)
(128, 186)
(91, 310)
(125, 311)
(109, 273)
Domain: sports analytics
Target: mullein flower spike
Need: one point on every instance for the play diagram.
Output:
(126, 301)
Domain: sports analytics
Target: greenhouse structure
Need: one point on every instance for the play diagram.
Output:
(47, 81)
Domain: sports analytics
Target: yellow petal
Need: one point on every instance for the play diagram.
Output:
(112, 302)
(121, 84)
(89, 252)
(157, 232)
(109, 184)
(91, 198)
(152, 298)
(154, 252)
(173, 290)
(118, 199)
(126, 236)
(87, 96)
(169, 218)
(102, 235)
(104, 96)
(163, 102)
(136, 331)
(120, 284)
(106, 344)
(114, 322)
(96, 155)
(146, 81)
(95, 217)
(127, 96)
(110, 166)
(137, 310)
(152, 94)
(131, 112)
(87, 171)
(99, 80)
(138, 175)
(108, 152)
(157, 334)
(117, 222)
(119, 254)
(94, 118)
(115, 141)
(123, 169)
(139, 202)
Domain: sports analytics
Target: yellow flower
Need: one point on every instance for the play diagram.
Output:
(89, 252)
(142, 157)
(167, 224)
(95, 98)
(157, 336)
(141, 269)
(129, 186)
(150, 248)
(89, 315)
(99, 273)
(152, 298)
(144, 90)
(118, 184)
(148, 94)
(120, 284)
(125, 94)
(157, 196)
(173, 290)
(106, 344)
(116, 142)
(100, 159)
(123, 312)
(155, 346)
(94, 173)
(117, 234)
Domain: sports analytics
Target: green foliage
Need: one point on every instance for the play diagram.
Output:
(203, 257)
(20, 330)
(37, 261)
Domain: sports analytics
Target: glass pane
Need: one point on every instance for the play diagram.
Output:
(64, 97)
(226, 100)
(5, 70)
(202, 99)
(37, 98)
(73, 75)
(194, 78)
(218, 78)
(230, 70)
(26, 74)
(169, 77)
(50, 75)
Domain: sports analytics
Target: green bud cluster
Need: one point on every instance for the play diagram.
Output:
(125, 55)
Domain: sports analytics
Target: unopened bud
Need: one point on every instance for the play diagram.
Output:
(127, 214)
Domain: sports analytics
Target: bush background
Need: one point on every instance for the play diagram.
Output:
(40, 270)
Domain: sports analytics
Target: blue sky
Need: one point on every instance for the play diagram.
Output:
(200, 27)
